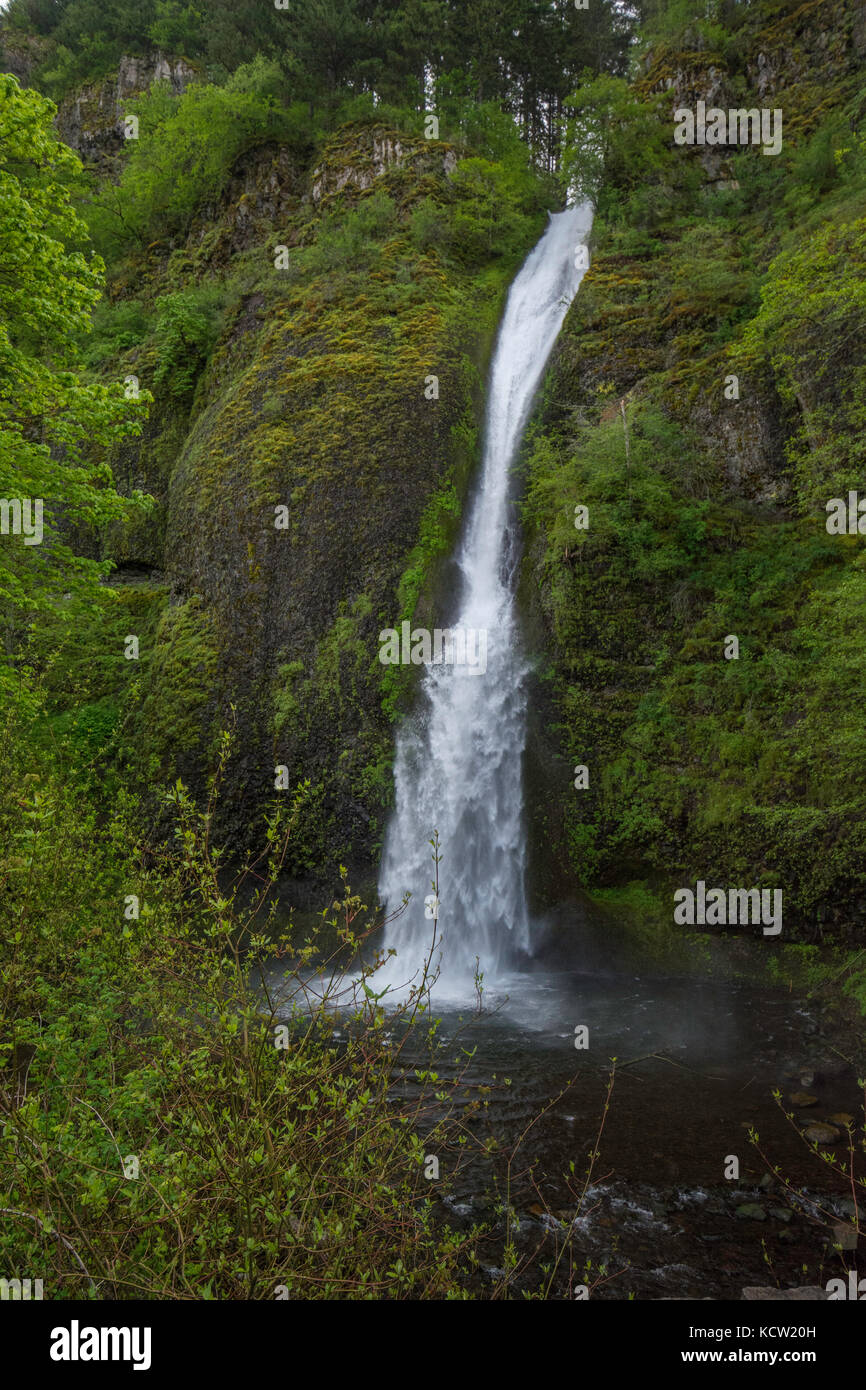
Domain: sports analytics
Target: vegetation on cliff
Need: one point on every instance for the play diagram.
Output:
(706, 404)
(283, 287)
(241, 361)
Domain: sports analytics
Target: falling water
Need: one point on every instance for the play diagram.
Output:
(458, 757)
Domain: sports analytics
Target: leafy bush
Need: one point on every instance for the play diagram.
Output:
(55, 428)
(348, 240)
(186, 147)
(187, 327)
(116, 329)
(812, 314)
(168, 1127)
(614, 142)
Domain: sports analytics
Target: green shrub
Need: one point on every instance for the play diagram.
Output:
(169, 1128)
(187, 326)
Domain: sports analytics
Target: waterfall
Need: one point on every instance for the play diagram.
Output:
(458, 762)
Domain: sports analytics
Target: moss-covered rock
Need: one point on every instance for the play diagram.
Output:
(309, 480)
(700, 404)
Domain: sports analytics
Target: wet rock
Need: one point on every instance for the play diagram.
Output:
(845, 1235)
(781, 1213)
(751, 1211)
(842, 1118)
(806, 1293)
(766, 1182)
(802, 1098)
(822, 1134)
(748, 443)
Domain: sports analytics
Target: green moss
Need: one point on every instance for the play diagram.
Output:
(317, 398)
(178, 689)
(330, 697)
(644, 913)
(745, 771)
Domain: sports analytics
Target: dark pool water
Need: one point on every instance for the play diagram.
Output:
(696, 1067)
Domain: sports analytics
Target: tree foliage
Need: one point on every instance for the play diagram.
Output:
(524, 55)
(187, 145)
(54, 427)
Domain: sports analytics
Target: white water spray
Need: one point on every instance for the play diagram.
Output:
(458, 756)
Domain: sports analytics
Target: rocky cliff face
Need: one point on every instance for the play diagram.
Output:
(21, 54)
(308, 460)
(794, 57)
(804, 59)
(309, 489)
(91, 120)
(682, 444)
